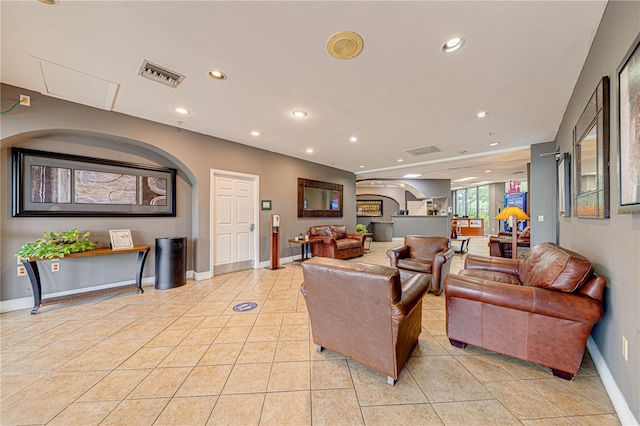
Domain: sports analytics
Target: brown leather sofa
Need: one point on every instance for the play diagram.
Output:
(540, 309)
(421, 254)
(336, 242)
(364, 312)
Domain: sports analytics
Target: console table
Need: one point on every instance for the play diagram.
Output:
(303, 247)
(31, 266)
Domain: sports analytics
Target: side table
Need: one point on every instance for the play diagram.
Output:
(303, 247)
(464, 244)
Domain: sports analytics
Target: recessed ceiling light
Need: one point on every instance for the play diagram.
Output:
(309, 151)
(487, 171)
(299, 113)
(482, 114)
(453, 45)
(465, 179)
(400, 160)
(181, 110)
(412, 175)
(494, 144)
(217, 74)
(255, 133)
(362, 167)
(353, 139)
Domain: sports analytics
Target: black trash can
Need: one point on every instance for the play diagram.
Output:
(171, 262)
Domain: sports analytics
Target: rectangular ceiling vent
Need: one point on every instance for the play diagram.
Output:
(424, 150)
(160, 74)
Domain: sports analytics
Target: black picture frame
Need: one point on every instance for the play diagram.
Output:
(265, 204)
(628, 73)
(564, 185)
(64, 185)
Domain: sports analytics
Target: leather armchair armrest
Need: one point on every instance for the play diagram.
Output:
(397, 253)
(412, 291)
(356, 236)
(496, 264)
(542, 301)
(328, 240)
(440, 269)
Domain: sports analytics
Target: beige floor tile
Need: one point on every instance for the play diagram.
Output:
(324, 355)
(184, 356)
(331, 374)
(266, 333)
(160, 383)
(205, 380)
(232, 410)
(115, 386)
(233, 334)
(13, 383)
(187, 411)
(242, 320)
(221, 353)
(521, 400)
(485, 368)
(550, 421)
(206, 308)
(414, 414)
(84, 413)
(49, 357)
(435, 327)
(248, 378)
(59, 390)
(427, 346)
(474, 413)
(523, 369)
(147, 357)
(286, 408)
(596, 420)
(187, 322)
(372, 387)
(295, 319)
(293, 350)
(100, 329)
(294, 332)
(592, 387)
(289, 376)
(442, 378)
(169, 337)
(269, 319)
(559, 394)
(201, 336)
(335, 406)
(215, 321)
(138, 412)
(253, 352)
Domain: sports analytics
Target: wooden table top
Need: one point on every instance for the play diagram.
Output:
(95, 252)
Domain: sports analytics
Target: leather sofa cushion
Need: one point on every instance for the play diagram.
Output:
(551, 266)
(415, 265)
(500, 277)
(419, 250)
(347, 243)
(320, 231)
(338, 231)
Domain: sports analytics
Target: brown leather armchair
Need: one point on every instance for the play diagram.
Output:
(364, 312)
(424, 255)
(336, 242)
(540, 309)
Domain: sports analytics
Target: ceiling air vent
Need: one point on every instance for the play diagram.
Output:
(160, 74)
(424, 150)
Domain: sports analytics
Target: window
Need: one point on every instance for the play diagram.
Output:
(472, 202)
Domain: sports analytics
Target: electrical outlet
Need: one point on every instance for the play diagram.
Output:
(22, 271)
(625, 349)
(55, 266)
(540, 218)
(25, 100)
(18, 260)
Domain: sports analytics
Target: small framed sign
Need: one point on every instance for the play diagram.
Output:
(120, 239)
(266, 204)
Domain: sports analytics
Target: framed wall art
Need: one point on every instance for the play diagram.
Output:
(53, 184)
(629, 131)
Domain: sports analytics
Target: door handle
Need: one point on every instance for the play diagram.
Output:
(252, 227)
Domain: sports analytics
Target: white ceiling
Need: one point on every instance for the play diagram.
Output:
(520, 63)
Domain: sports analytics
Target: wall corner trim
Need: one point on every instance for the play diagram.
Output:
(617, 398)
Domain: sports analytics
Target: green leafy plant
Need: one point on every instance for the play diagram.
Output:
(57, 244)
(361, 228)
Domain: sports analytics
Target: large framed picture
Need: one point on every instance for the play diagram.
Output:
(629, 131)
(53, 184)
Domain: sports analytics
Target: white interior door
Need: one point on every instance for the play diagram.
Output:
(234, 223)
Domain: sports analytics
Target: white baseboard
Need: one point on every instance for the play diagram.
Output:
(623, 411)
(199, 276)
(283, 260)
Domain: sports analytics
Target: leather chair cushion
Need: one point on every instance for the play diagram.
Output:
(423, 266)
(347, 243)
(338, 231)
(320, 231)
(501, 277)
(419, 250)
(551, 266)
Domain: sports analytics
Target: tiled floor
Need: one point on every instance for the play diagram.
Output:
(184, 357)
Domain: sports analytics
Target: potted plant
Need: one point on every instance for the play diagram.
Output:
(361, 228)
(57, 244)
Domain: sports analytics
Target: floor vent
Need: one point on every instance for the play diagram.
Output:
(424, 150)
(160, 74)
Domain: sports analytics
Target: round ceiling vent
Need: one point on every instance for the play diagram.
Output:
(345, 45)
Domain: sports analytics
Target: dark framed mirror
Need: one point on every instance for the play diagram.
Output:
(591, 156)
(319, 199)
